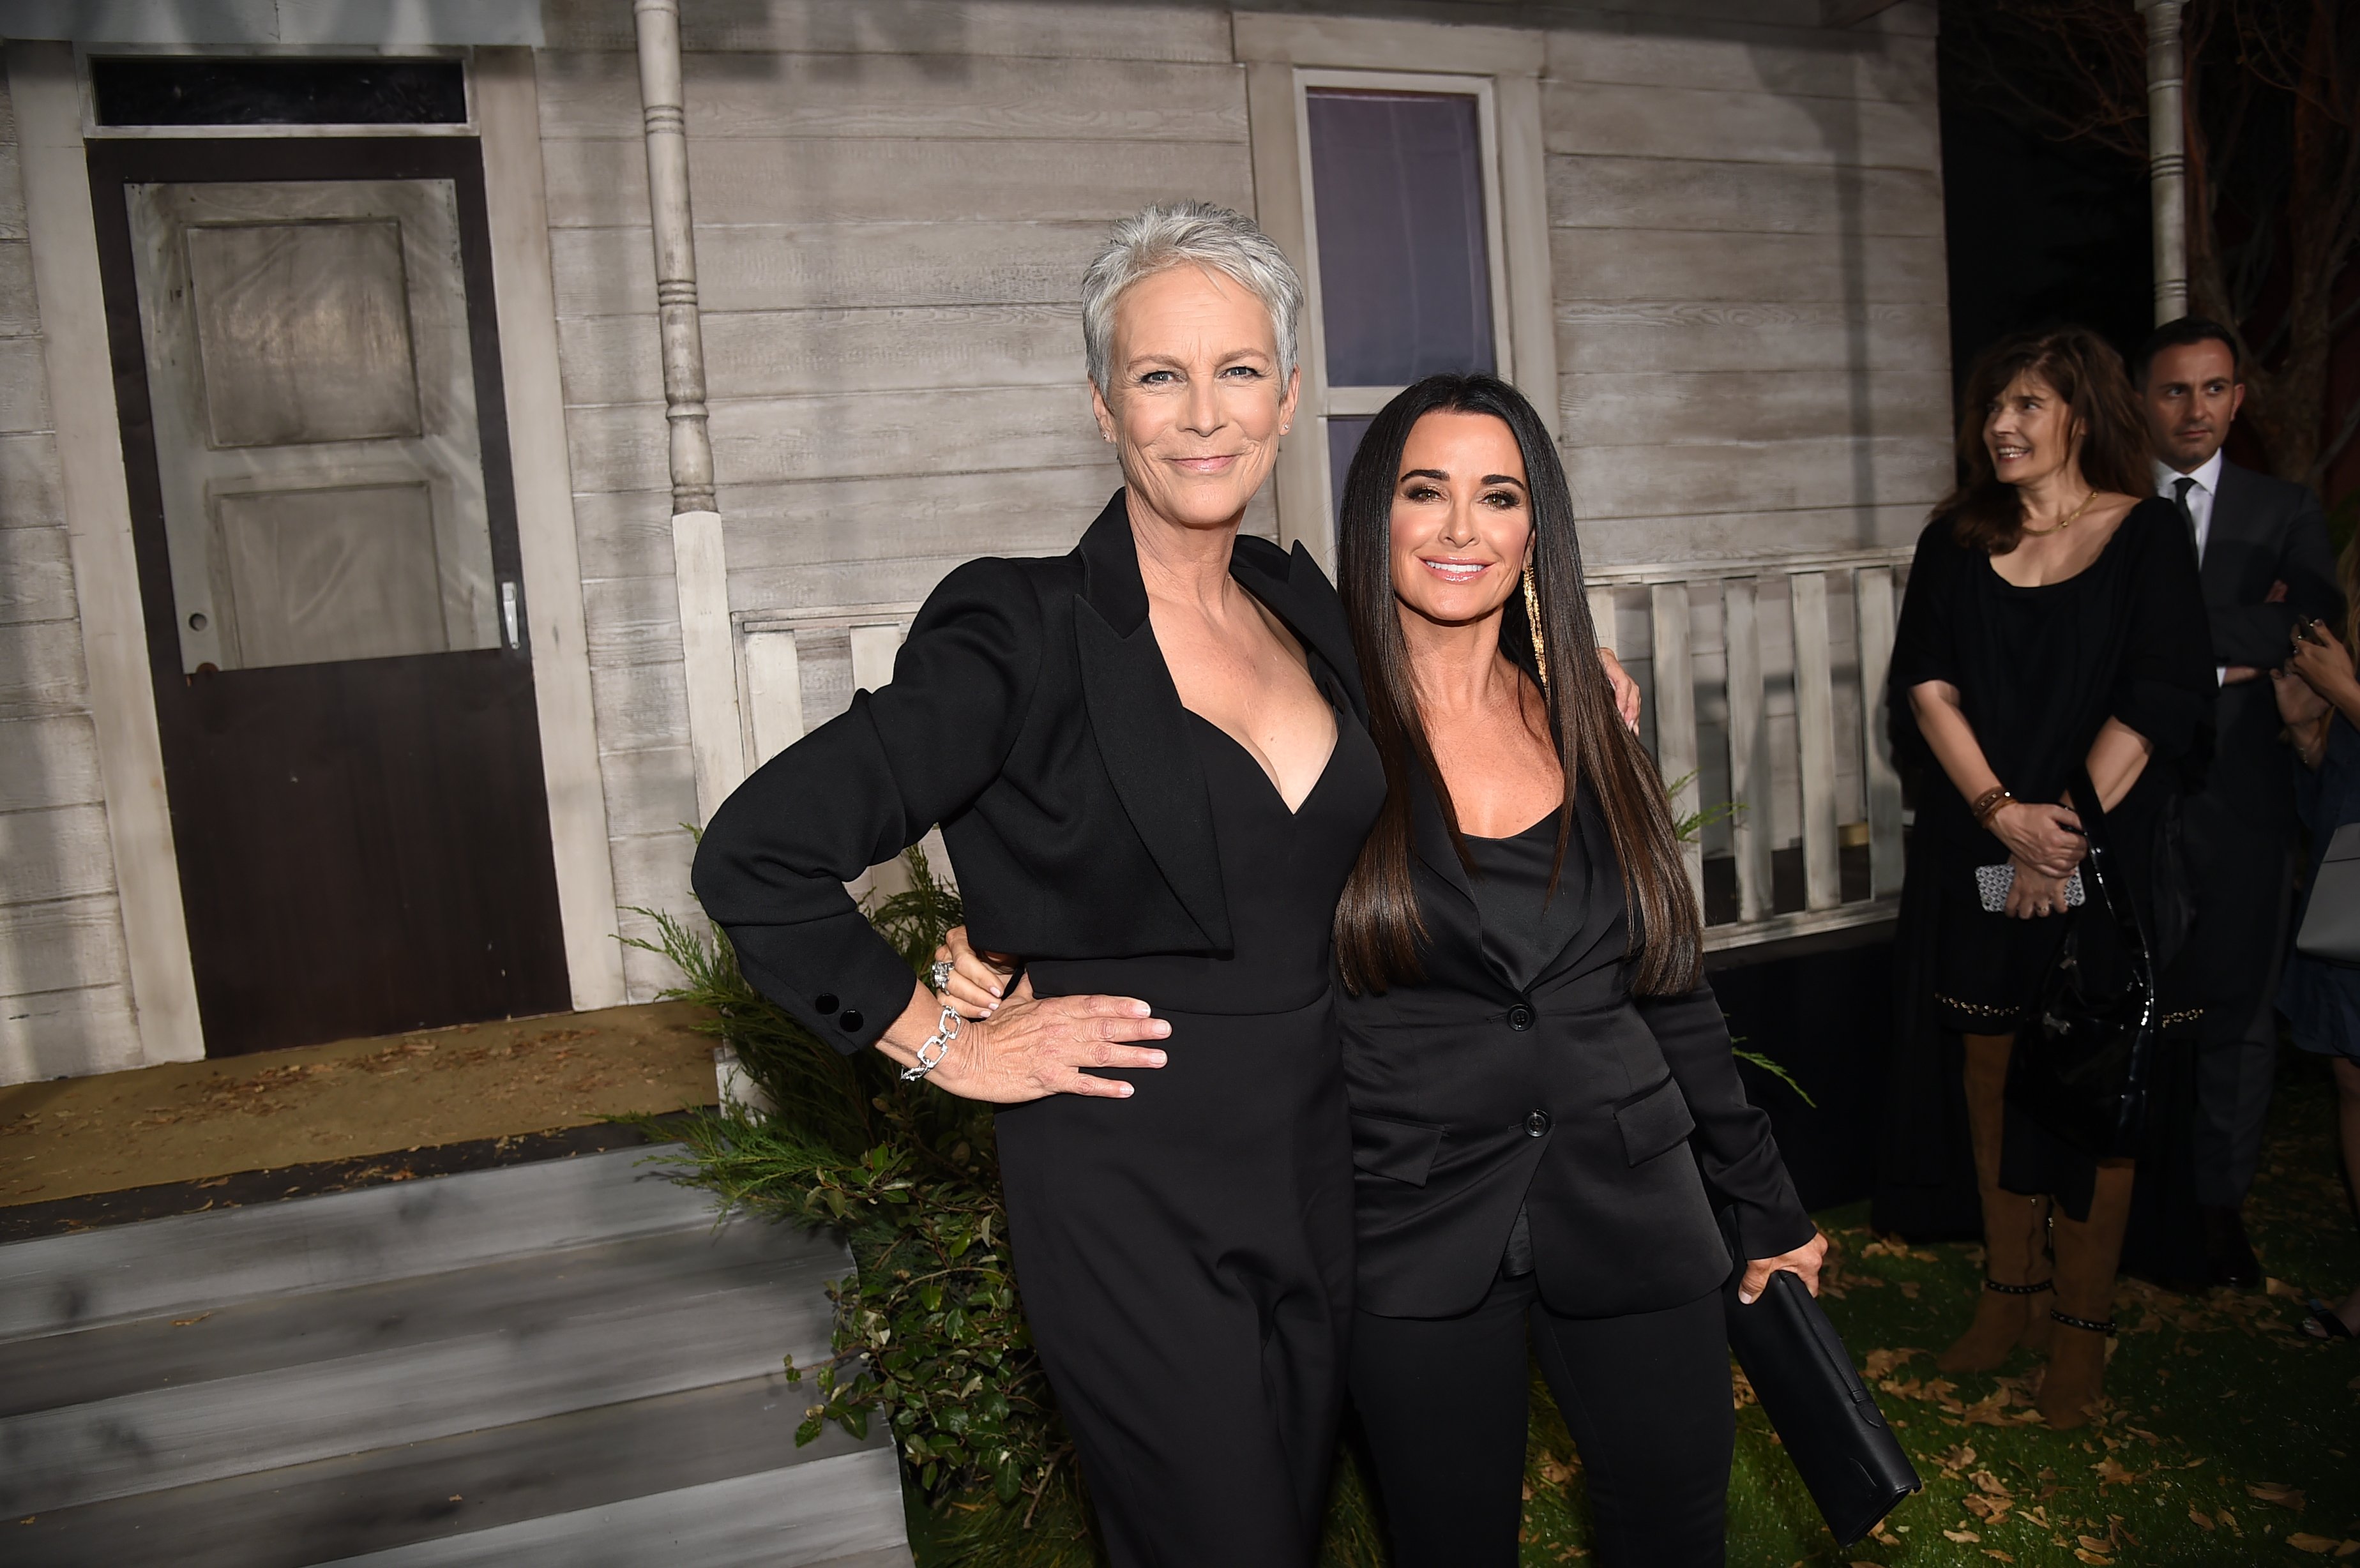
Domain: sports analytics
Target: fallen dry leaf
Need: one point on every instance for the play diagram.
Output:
(2111, 1474)
(2203, 1521)
(2277, 1492)
(2277, 1286)
(2086, 1555)
(2349, 1549)
(1881, 1362)
(191, 1322)
(1996, 1552)
(1960, 1536)
(2319, 1544)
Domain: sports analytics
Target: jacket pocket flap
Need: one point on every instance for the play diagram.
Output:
(1654, 1122)
(1402, 1150)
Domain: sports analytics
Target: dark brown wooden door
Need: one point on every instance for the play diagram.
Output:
(308, 374)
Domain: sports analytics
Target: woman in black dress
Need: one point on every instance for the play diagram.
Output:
(1149, 762)
(2053, 621)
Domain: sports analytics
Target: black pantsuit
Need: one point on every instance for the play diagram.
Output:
(1185, 1255)
(1518, 1111)
(1444, 1404)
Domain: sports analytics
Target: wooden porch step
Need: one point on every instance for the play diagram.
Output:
(196, 1262)
(357, 1504)
(564, 1363)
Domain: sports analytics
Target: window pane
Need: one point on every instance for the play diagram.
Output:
(1405, 273)
(1343, 441)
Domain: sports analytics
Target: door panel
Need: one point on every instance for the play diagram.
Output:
(316, 421)
(309, 382)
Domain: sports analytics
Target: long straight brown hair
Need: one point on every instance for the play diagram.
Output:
(2088, 376)
(1378, 926)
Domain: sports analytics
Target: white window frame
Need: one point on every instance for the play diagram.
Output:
(1322, 398)
(1285, 57)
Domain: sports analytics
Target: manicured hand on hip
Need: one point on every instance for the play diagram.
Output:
(1032, 1048)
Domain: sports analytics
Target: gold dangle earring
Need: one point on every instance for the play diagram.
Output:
(1533, 619)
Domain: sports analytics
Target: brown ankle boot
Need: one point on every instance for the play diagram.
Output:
(2013, 1307)
(2087, 1251)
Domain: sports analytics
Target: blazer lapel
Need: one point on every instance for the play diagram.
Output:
(1140, 726)
(1430, 838)
(1306, 602)
(2225, 543)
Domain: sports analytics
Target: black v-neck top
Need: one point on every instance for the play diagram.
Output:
(1280, 872)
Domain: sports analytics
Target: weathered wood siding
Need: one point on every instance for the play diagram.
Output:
(1753, 332)
(65, 991)
(894, 206)
(1752, 320)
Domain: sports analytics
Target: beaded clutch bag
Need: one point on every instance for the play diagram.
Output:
(1992, 882)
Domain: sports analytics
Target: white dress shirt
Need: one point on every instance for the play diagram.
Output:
(2200, 494)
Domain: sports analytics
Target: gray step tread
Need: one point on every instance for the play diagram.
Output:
(650, 1273)
(194, 1262)
(843, 1512)
(591, 1353)
(370, 1502)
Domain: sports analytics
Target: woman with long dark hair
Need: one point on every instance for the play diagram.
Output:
(1531, 1049)
(2053, 624)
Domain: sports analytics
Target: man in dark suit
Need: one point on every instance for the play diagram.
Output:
(2262, 545)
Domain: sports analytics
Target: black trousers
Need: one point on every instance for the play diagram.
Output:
(1444, 1402)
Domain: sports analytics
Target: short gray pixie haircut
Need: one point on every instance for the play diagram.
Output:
(1182, 234)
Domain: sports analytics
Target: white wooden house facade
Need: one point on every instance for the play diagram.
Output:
(1714, 226)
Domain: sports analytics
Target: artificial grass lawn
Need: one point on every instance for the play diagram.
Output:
(2231, 1437)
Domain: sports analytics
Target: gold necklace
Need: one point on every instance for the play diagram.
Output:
(2060, 527)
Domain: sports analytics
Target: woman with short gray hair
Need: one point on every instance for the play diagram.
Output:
(1148, 759)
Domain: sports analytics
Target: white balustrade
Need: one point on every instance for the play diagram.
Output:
(1747, 663)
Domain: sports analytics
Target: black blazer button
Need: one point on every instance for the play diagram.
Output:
(1520, 1017)
(1536, 1123)
(849, 1020)
(824, 1001)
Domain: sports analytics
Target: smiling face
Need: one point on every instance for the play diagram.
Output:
(2029, 431)
(2192, 397)
(1194, 404)
(1462, 517)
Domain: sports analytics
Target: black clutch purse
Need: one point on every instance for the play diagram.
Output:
(1826, 1418)
(2081, 1063)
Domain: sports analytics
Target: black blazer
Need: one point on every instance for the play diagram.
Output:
(1572, 1097)
(2264, 531)
(1031, 713)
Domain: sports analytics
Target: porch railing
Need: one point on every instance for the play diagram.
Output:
(1762, 677)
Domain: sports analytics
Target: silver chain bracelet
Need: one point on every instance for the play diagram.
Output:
(947, 1030)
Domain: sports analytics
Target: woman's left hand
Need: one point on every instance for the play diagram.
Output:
(2325, 666)
(1626, 691)
(2032, 895)
(1803, 1261)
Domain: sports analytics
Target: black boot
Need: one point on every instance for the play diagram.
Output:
(2231, 1255)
